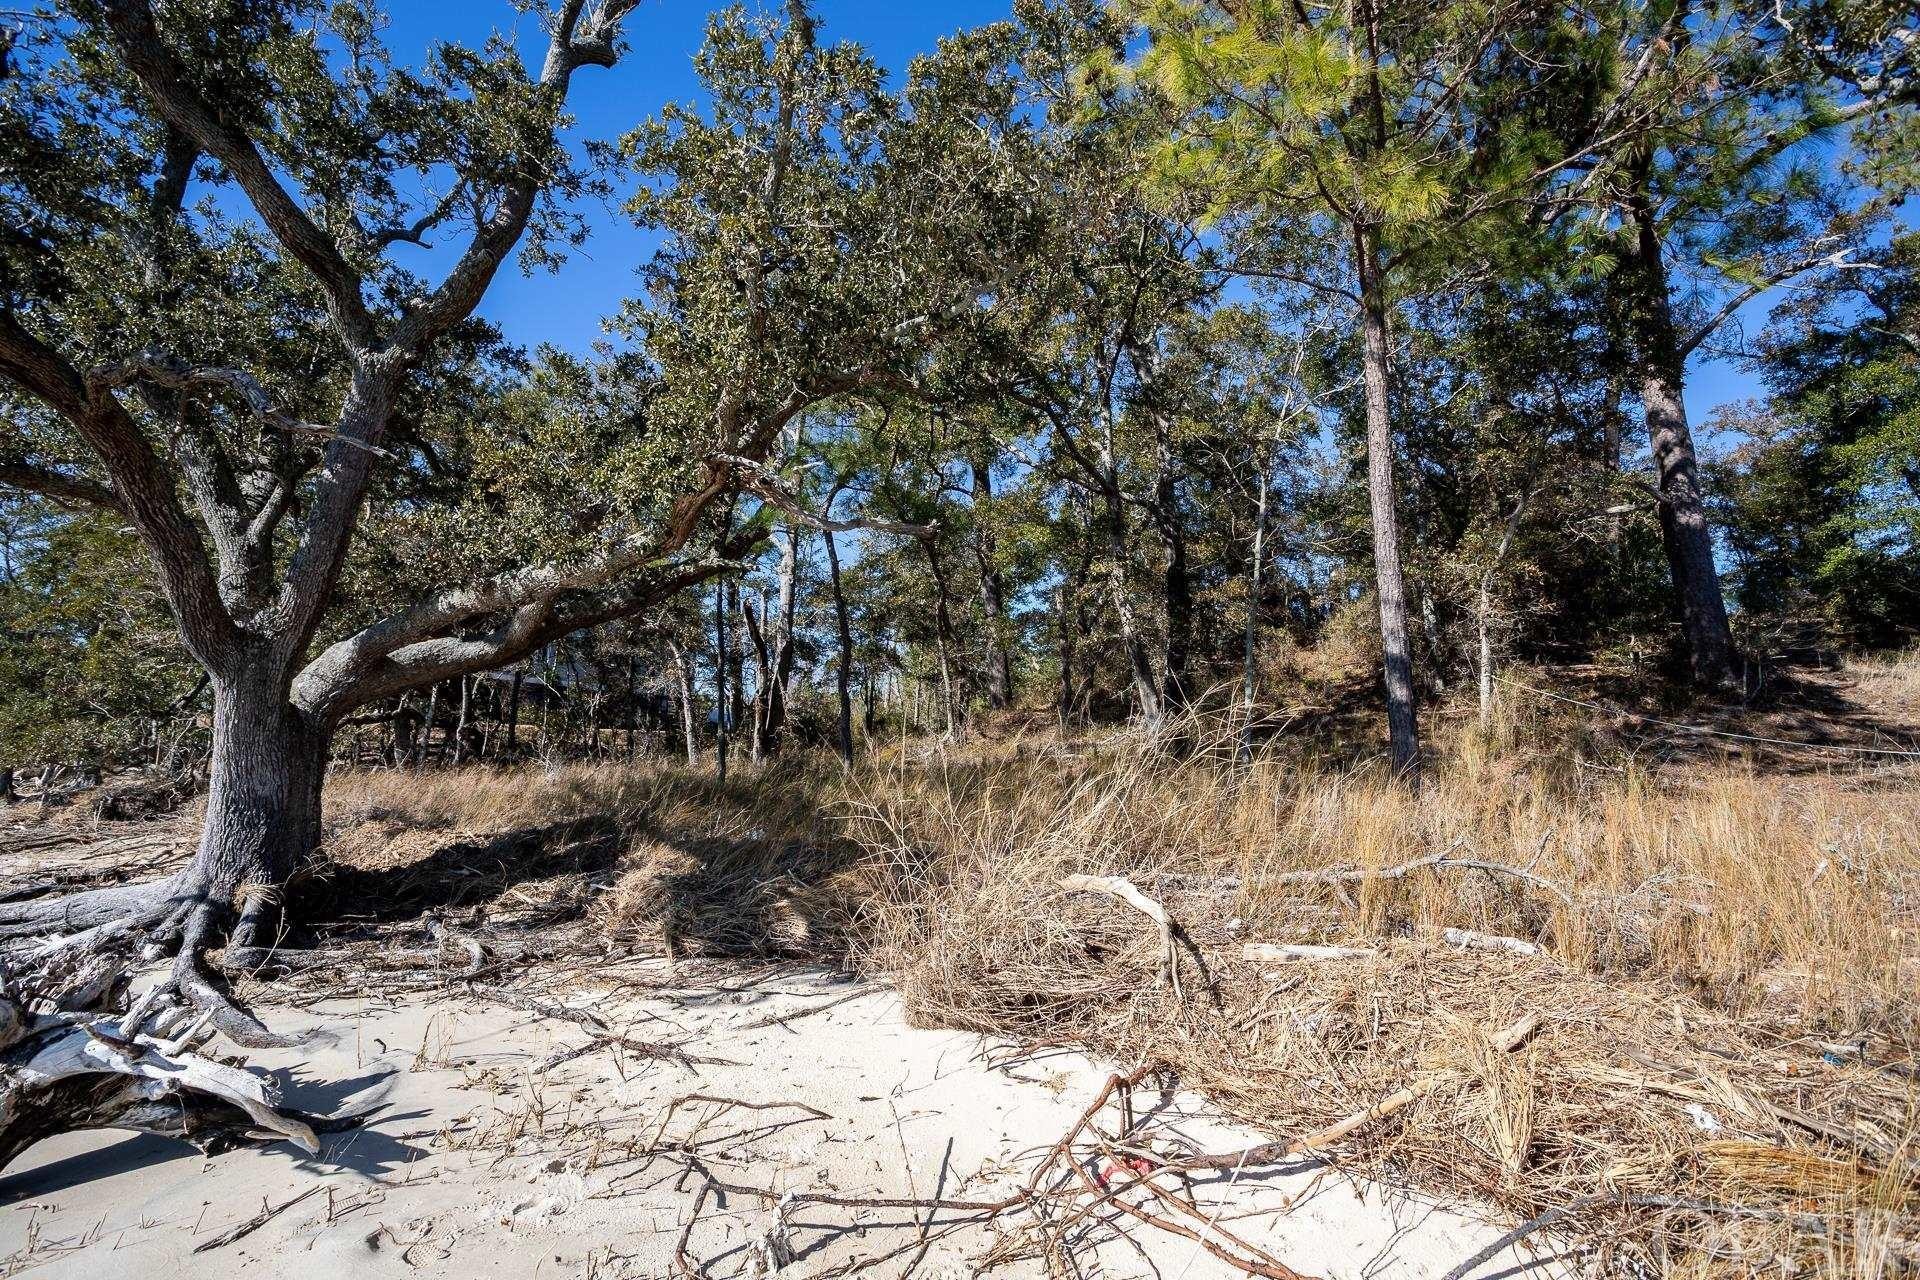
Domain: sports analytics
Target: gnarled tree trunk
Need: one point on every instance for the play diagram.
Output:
(263, 799)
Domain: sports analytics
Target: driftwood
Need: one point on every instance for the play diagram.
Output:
(1339, 876)
(1289, 951)
(1469, 940)
(76, 1054)
(1442, 861)
(1172, 937)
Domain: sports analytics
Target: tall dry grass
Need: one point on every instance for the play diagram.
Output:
(1729, 981)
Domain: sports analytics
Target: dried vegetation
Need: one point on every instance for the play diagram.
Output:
(1719, 987)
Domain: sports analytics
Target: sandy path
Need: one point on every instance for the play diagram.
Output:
(486, 1161)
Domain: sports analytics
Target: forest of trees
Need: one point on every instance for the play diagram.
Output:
(1111, 361)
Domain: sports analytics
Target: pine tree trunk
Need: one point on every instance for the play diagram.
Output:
(1402, 719)
(993, 595)
(843, 666)
(1684, 529)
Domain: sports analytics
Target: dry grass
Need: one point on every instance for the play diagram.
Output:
(1730, 980)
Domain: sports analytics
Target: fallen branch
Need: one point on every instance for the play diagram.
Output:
(1442, 861)
(1506, 1041)
(257, 1221)
(1288, 951)
(1172, 936)
(1468, 940)
(782, 1019)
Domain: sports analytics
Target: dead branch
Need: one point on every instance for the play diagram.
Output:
(1287, 951)
(267, 1214)
(1505, 1041)
(1172, 937)
(1469, 940)
(1442, 861)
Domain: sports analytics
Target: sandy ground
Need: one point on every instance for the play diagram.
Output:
(490, 1158)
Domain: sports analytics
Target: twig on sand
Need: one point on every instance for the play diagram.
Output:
(681, 1261)
(258, 1220)
(596, 1027)
(782, 1019)
(687, 1099)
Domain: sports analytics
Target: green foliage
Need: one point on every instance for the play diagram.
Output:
(90, 664)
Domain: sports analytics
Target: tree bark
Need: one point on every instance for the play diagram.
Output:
(843, 666)
(424, 742)
(781, 675)
(1063, 615)
(993, 594)
(263, 798)
(687, 728)
(1176, 588)
(513, 712)
(761, 710)
(1247, 663)
(1146, 688)
(460, 726)
(1684, 528)
(943, 632)
(1402, 719)
(721, 657)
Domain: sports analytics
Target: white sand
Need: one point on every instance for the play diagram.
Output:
(482, 1164)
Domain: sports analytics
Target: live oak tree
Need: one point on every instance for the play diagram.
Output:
(224, 372)
(207, 331)
(1084, 356)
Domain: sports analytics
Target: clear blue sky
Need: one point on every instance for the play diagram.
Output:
(567, 309)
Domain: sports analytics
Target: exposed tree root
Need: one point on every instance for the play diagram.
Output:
(178, 915)
(74, 1054)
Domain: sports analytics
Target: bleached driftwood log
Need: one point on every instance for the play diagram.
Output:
(1471, 940)
(75, 1054)
(1302, 951)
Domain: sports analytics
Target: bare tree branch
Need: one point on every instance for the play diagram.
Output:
(146, 491)
(171, 89)
(60, 486)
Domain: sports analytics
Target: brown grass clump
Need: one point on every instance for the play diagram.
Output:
(1727, 982)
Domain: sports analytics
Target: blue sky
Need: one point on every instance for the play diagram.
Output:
(567, 308)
